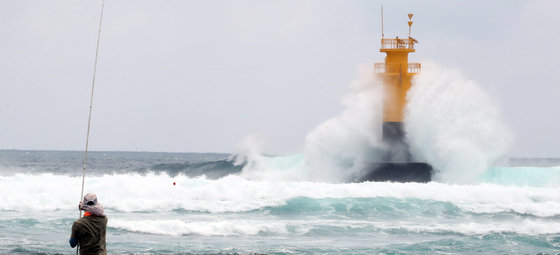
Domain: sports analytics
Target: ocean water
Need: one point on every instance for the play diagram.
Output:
(214, 208)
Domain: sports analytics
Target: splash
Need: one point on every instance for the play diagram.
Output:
(257, 166)
(452, 124)
(338, 149)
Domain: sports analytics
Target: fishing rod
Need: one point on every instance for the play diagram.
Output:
(91, 103)
(90, 110)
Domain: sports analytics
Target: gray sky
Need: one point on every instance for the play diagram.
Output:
(200, 76)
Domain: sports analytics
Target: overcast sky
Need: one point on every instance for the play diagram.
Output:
(200, 76)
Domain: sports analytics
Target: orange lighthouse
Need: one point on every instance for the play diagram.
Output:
(396, 74)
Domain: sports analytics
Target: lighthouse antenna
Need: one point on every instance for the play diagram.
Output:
(382, 32)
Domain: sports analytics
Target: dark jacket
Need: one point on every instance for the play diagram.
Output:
(89, 231)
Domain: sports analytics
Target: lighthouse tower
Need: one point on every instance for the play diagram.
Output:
(396, 73)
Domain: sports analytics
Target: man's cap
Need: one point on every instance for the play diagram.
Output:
(91, 205)
(90, 199)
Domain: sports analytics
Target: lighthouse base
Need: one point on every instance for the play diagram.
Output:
(397, 172)
(396, 164)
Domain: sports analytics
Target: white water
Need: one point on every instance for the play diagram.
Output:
(235, 206)
(205, 227)
(254, 227)
(149, 215)
(151, 193)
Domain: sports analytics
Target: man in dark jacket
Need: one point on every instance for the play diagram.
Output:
(89, 231)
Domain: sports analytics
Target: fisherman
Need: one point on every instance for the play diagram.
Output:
(89, 230)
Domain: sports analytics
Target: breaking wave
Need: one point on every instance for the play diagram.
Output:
(157, 193)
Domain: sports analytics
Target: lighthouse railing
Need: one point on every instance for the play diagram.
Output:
(412, 68)
(379, 68)
(397, 43)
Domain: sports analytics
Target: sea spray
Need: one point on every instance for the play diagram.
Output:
(257, 166)
(338, 149)
(452, 124)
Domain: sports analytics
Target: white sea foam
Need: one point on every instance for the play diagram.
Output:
(205, 228)
(524, 227)
(454, 125)
(153, 193)
(236, 227)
